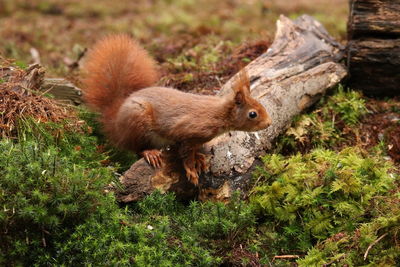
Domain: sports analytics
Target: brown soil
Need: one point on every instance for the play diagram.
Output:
(382, 125)
(208, 81)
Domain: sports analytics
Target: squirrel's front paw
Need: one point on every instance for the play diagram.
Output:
(153, 157)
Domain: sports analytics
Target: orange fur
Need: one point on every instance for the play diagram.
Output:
(114, 68)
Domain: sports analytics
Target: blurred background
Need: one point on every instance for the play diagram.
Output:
(192, 39)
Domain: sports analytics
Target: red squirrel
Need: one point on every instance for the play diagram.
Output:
(119, 80)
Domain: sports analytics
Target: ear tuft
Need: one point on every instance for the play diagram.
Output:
(242, 83)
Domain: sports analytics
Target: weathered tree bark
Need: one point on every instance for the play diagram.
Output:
(374, 46)
(63, 90)
(374, 18)
(301, 64)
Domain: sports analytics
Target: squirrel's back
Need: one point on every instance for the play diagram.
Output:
(114, 68)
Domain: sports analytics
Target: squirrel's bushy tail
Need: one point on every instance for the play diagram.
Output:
(114, 68)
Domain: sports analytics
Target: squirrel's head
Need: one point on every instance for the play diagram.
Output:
(247, 113)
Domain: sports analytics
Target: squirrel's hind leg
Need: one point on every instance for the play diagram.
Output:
(135, 122)
(153, 157)
(194, 163)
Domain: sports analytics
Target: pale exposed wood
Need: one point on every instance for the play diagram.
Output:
(63, 90)
(301, 64)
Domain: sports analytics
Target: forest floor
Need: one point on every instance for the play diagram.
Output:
(349, 216)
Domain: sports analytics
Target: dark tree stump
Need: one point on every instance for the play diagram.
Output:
(374, 46)
(301, 64)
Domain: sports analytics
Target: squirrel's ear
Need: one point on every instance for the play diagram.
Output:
(242, 83)
(239, 98)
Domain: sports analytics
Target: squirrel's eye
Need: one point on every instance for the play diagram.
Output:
(252, 114)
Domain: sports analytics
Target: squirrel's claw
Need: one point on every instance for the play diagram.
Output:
(191, 171)
(201, 162)
(194, 166)
(192, 176)
(153, 157)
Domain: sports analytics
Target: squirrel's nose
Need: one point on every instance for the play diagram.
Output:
(267, 122)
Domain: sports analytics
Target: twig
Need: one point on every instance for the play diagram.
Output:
(373, 244)
(286, 257)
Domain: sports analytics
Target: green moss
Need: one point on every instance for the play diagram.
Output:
(306, 199)
(55, 210)
(334, 119)
(347, 104)
(351, 248)
(51, 181)
(121, 159)
(158, 231)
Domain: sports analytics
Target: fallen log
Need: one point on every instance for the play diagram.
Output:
(301, 64)
(63, 90)
(374, 46)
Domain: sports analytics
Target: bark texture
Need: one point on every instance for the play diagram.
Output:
(374, 46)
(301, 64)
(63, 90)
(370, 18)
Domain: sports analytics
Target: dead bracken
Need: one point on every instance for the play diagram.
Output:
(20, 97)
